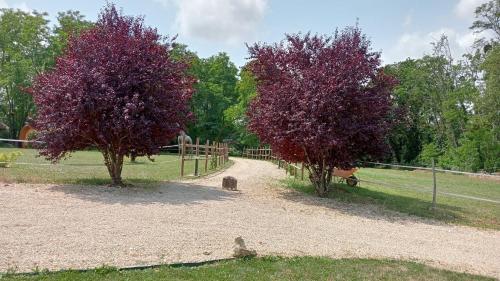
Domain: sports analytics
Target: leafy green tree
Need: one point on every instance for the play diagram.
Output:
(479, 146)
(488, 18)
(410, 101)
(221, 98)
(28, 46)
(70, 23)
(214, 93)
(23, 40)
(246, 89)
(478, 149)
(435, 101)
(489, 103)
(484, 131)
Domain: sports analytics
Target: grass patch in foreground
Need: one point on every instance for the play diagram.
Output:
(269, 268)
(408, 192)
(87, 167)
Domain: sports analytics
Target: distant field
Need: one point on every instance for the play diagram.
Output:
(410, 192)
(86, 167)
(269, 268)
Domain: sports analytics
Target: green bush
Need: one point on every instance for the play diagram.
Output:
(464, 158)
(478, 150)
(429, 151)
(7, 159)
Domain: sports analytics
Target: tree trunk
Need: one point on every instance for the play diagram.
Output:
(114, 163)
(320, 177)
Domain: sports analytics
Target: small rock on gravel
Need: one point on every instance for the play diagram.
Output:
(240, 249)
(229, 183)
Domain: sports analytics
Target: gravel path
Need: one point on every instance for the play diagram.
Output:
(56, 226)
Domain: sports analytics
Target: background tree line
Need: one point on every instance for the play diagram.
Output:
(449, 109)
(29, 45)
(444, 107)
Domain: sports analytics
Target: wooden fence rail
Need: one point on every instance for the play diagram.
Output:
(217, 154)
(267, 154)
(259, 153)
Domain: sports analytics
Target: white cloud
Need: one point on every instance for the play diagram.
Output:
(3, 4)
(465, 8)
(21, 6)
(416, 44)
(230, 21)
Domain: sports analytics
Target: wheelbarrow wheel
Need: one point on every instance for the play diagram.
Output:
(352, 181)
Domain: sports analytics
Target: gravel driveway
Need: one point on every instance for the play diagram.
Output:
(57, 226)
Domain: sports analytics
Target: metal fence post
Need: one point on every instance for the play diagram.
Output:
(434, 189)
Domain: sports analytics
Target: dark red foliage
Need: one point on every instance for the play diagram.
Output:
(321, 99)
(116, 88)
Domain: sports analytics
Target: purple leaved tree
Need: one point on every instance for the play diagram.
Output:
(117, 89)
(321, 100)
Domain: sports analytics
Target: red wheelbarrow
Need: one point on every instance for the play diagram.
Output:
(347, 176)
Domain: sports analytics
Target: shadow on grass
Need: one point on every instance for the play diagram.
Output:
(376, 204)
(164, 193)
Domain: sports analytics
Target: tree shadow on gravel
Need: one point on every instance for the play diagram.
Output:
(376, 205)
(165, 193)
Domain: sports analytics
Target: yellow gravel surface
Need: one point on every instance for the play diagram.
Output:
(60, 227)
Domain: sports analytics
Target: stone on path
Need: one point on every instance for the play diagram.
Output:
(240, 249)
(229, 183)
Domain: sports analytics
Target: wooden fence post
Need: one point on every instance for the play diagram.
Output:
(206, 155)
(197, 147)
(302, 171)
(183, 149)
(221, 158)
(227, 152)
(219, 146)
(216, 144)
(223, 154)
(196, 159)
(434, 187)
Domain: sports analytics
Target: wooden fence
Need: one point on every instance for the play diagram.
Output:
(294, 169)
(259, 153)
(267, 154)
(215, 153)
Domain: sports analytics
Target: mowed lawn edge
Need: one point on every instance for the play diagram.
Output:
(265, 268)
(87, 168)
(409, 192)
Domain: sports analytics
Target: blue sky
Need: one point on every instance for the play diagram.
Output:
(397, 28)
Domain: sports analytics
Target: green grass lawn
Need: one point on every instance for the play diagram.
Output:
(410, 192)
(269, 268)
(86, 167)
